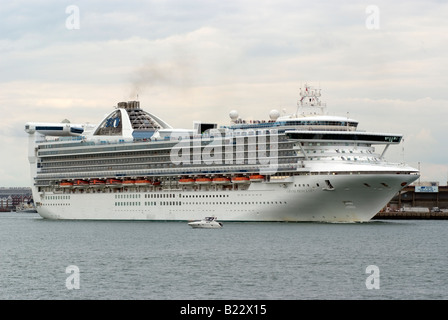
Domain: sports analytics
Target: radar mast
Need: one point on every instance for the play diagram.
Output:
(309, 102)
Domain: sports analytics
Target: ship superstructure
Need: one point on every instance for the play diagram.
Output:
(307, 166)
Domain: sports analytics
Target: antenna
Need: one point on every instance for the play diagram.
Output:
(348, 118)
(402, 149)
(419, 183)
(310, 101)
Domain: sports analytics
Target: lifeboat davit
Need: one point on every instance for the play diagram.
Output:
(113, 182)
(80, 184)
(256, 178)
(203, 180)
(186, 181)
(97, 183)
(221, 180)
(240, 180)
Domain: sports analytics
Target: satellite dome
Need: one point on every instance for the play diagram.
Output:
(274, 114)
(233, 115)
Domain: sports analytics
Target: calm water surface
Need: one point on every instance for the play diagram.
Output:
(170, 260)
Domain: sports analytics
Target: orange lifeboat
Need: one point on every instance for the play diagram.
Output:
(203, 180)
(256, 178)
(129, 182)
(97, 183)
(80, 183)
(221, 180)
(156, 183)
(66, 184)
(240, 180)
(113, 182)
(186, 181)
(142, 182)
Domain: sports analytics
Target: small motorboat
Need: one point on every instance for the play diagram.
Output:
(207, 223)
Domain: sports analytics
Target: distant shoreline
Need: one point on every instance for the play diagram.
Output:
(412, 215)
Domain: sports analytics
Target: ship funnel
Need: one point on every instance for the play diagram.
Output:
(130, 105)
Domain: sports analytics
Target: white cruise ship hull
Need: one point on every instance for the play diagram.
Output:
(353, 198)
(135, 166)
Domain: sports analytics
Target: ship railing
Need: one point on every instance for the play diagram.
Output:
(49, 182)
(121, 140)
(58, 139)
(61, 149)
(172, 171)
(147, 162)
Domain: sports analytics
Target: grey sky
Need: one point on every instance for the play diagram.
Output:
(197, 60)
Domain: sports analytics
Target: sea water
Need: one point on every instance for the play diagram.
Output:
(388, 259)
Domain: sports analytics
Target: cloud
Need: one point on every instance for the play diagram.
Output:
(424, 138)
(197, 60)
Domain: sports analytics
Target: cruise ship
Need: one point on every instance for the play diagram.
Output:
(133, 165)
